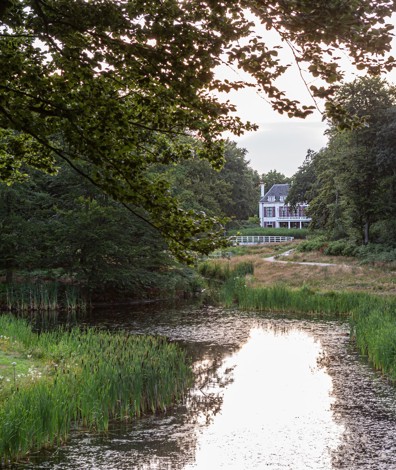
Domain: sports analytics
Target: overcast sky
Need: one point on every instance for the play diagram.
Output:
(281, 143)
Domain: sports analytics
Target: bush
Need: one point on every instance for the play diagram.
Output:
(340, 248)
(312, 244)
(376, 253)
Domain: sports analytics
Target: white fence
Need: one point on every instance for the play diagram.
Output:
(259, 240)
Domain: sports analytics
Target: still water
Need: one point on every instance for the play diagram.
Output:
(271, 393)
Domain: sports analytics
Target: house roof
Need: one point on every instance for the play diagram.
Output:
(277, 190)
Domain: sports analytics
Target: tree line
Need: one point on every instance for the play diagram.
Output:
(62, 227)
(351, 183)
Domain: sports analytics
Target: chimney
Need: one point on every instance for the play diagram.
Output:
(262, 187)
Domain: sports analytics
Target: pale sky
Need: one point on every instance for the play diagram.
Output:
(281, 143)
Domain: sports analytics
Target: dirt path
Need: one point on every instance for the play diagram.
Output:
(274, 259)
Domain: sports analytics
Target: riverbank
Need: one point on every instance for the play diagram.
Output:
(363, 294)
(81, 378)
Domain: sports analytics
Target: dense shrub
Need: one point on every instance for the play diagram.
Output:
(340, 248)
(376, 253)
(312, 244)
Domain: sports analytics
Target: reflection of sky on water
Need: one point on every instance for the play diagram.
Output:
(262, 400)
(277, 411)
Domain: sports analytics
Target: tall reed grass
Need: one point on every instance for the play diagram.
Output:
(223, 271)
(279, 298)
(95, 376)
(42, 297)
(374, 330)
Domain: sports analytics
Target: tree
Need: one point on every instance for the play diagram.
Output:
(63, 227)
(302, 181)
(349, 184)
(231, 192)
(274, 177)
(109, 86)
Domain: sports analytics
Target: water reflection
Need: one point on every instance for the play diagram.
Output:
(276, 413)
(271, 393)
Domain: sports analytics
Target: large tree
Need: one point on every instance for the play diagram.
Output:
(274, 177)
(350, 184)
(231, 192)
(109, 86)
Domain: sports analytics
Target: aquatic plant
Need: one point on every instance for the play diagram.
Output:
(280, 298)
(42, 297)
(374, 331)
(223, 271)
(93, 377)
(373, 317)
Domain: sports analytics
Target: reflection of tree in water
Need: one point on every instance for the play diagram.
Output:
(211, 378)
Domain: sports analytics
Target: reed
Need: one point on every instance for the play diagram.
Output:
(43, 297)
(223, 271)
(280, 298)
(94, 377)
(374, 331)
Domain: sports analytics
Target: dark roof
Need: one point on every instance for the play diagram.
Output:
(277, 190)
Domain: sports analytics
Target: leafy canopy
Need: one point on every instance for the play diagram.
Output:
(350, 184)
(109, 86)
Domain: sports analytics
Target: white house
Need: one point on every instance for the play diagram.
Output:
(273, 211)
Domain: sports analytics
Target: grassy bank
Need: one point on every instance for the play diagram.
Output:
(86, 379)
(280, 298)
(363, 294)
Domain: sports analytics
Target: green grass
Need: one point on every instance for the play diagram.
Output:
(279, 298)
(374, 330)
(223, 271)
(91, 378)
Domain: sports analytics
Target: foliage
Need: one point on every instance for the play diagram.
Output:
(96, 376)
(302, 182)
(43, 297)
(273, 177)
(63, 228)
(374, 331)
(279, 298)
(340, 248)
(317, 243)
(111, 87)
(231, 192)
(350, 184)
(222, 272)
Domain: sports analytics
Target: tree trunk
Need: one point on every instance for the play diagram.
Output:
(366, 239)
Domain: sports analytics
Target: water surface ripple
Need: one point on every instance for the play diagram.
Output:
(271, 393)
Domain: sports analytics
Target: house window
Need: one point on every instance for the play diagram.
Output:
(271, 198)
(269, 211)
(283, 211)
(281, 198)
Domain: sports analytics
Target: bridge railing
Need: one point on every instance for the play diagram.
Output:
(259, 239)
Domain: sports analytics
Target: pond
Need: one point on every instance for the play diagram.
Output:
(271, 393)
